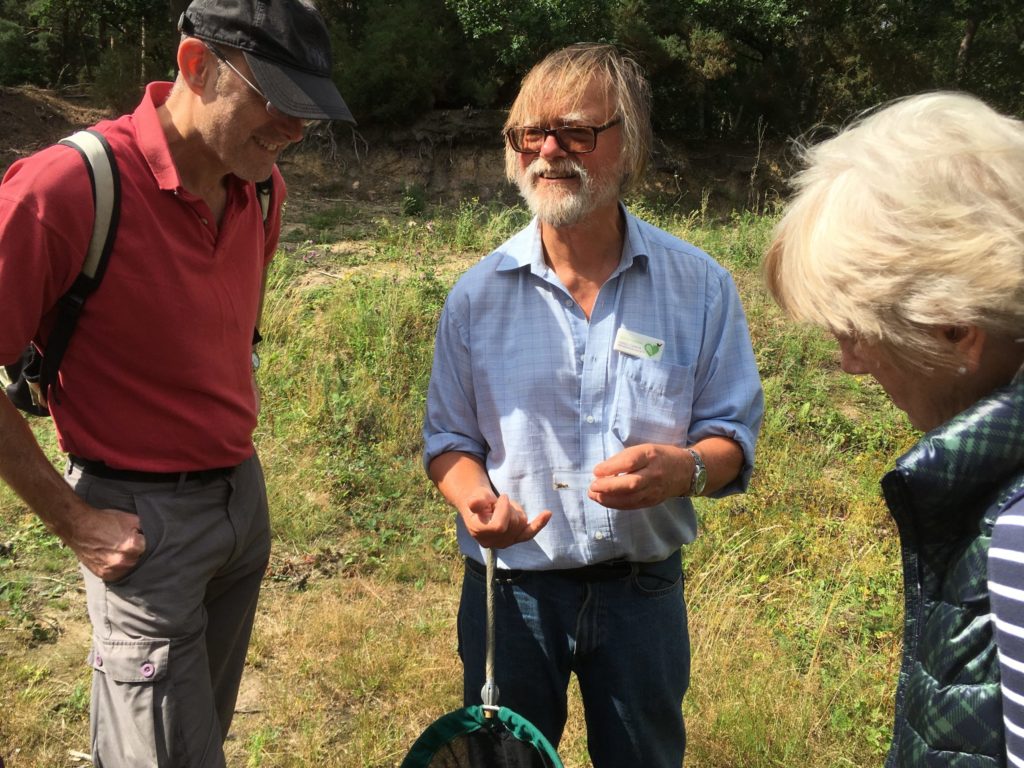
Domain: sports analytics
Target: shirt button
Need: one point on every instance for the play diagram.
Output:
(206, 222)
(568, 302)
(590, 419)
(599, 535)
(148, 670)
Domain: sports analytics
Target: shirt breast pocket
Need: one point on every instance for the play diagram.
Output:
(652, 402)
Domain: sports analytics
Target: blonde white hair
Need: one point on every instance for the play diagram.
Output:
(560, 81)
(911, 218)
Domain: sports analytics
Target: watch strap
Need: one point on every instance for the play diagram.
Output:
(700, 475)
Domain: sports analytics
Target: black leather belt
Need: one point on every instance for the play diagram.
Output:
(609, 570)
(99, 469)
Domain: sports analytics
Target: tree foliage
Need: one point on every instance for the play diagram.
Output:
(517, 33)
(389, 69)
(728, 68)
(68, 39)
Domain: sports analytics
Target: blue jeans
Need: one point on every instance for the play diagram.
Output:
(625, 638)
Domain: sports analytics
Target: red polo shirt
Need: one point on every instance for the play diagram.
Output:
(157, 375)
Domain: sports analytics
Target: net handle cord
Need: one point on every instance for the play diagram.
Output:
(489, 693)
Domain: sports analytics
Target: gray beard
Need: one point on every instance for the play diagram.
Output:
(566, 208)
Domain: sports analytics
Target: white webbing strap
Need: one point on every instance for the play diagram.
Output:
(103, 183)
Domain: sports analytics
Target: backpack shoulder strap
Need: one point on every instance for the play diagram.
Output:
(106, 193)
(264, 190)
(105, 181)
(264, 193)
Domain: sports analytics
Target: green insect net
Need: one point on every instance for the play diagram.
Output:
(486, 736)
(475, 738)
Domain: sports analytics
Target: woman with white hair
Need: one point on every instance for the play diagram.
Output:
(905, 239)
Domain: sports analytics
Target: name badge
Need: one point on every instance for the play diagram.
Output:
(637, 345)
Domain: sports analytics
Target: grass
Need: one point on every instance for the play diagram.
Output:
(793, 588)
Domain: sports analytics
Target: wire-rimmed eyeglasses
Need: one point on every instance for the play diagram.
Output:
(577, 139)
(271, 109)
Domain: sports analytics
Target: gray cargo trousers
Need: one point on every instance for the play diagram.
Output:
(170, 638)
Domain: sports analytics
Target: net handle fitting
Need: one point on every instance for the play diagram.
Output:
(489, 693)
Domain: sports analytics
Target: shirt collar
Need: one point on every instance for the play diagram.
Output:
(527, 250)
(152, 140)
(634, 249)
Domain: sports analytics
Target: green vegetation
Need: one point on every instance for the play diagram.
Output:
(793, 588)
(737, 69)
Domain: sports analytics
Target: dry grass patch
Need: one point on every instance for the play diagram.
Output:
(350, 672)
(45, 699)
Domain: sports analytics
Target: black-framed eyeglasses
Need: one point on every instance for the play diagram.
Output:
(271, 109)
(577, 139)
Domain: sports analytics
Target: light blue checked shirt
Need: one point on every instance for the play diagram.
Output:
(522, 380)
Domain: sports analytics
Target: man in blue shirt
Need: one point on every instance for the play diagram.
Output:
(590, 376)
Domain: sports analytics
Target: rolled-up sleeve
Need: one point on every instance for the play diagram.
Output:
(728, 399)
(451, 422)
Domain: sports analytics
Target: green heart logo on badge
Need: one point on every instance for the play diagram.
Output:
(634, 344)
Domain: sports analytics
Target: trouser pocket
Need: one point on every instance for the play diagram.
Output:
(129, 684)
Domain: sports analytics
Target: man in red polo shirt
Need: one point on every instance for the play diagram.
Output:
(163, 501)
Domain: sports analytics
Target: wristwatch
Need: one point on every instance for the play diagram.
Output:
(700, 475)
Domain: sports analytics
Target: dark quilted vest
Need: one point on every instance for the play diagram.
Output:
(945, 495)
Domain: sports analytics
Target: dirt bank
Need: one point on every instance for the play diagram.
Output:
(444, 157)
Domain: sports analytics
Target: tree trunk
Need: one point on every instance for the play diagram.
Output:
(964, 53)
(142, 52)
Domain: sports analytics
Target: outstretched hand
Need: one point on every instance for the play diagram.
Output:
(498, 522)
